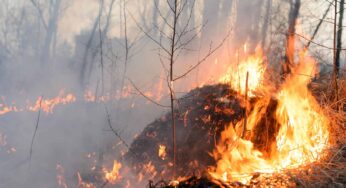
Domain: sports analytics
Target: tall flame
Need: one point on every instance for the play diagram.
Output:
(302, 136)
(236, 74)
(304, 130)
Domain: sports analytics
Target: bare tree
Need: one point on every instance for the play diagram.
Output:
(90, 51)
(319, 25)
(175, 34)
(50, 27)
(101, 49)
(338, 47)
(292, 20)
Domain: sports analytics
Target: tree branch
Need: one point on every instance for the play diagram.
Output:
(211, 52)
(148, 98)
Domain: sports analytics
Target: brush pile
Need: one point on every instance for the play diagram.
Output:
(202, 115)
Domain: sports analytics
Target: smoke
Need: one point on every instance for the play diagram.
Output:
(73, 131)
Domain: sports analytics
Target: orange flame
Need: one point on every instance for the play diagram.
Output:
(47, 105)
(302, 136)
(162, 152)
(83, 184)
(60, 176)
(114, 175)
(236, 74)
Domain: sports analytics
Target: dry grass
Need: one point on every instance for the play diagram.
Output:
(330, 171)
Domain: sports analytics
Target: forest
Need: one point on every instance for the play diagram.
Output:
(172, 93)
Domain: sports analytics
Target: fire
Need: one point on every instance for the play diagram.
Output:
(60, 177)
(301, 138)
(114, 175)
(89, 96)
(162, 152)
(254, 65)
(47, 105)
(5, 109)
(304, 131)
(148, 171)
(83, 184)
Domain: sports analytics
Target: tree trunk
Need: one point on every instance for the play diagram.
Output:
(338, 46)
(266, 23)
(171, 85)
(292, 21)
(51, 30)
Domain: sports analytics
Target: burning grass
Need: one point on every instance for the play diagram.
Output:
(202, 118)
(294, 136)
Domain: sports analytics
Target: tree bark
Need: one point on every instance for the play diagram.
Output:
(338, 47)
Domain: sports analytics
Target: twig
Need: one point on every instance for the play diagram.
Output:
(318, 26)
(101, 49)
(171, 84)
(148, 98)
(211, 52)
(245, 110)
(113, 130)
(318, 44)
(40, 14)
(36, 127)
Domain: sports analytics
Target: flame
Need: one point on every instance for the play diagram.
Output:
(89, 96)
(245, 48)
(148, 171)
(60, 177)
(304, 131)
(11, 150)
(114, 175)
(160, 87)
(5, 109)
(47, 105)
(83, 184)
(301, 138)
(162, 152)
(236, 74)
